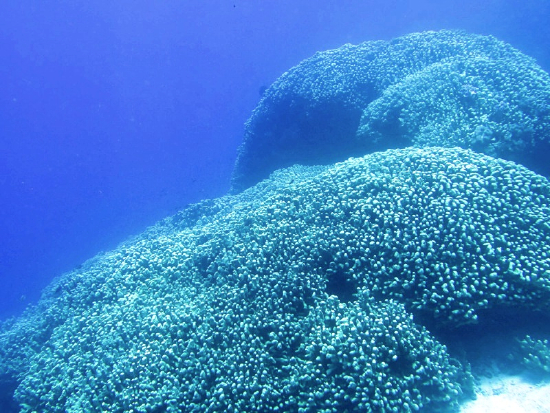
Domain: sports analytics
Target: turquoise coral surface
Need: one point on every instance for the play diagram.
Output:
(298, 298)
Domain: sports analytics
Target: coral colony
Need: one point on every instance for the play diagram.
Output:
(326, 288)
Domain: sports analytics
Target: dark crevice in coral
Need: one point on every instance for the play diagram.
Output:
(340, 285)
(402, 365)
(493, 339)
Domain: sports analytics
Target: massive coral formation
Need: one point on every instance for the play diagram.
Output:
(446, 88)
(306, 292)
(323, 288)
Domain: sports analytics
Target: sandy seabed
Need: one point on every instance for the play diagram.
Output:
(509, 394)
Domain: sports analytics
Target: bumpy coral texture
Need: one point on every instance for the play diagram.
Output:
(446, 88)
(475, 102)
(299, 294)
(533, 355)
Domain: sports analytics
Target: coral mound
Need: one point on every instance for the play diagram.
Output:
(306, 292)
(446, 88)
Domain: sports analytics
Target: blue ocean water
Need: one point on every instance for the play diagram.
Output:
(116, 114)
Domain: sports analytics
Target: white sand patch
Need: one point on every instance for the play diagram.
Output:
(509, 394)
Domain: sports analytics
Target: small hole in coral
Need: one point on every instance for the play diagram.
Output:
(341, 286)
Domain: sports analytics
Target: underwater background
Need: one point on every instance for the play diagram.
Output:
(281, 206)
